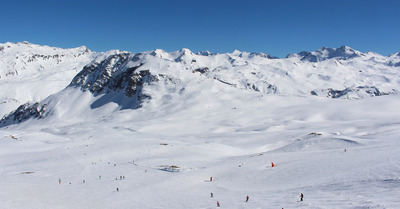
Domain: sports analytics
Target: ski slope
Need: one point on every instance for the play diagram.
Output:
(340, 153)
(234, 141)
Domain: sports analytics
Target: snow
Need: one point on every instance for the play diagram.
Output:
(212, 142)
(32, 72)
(340, 153)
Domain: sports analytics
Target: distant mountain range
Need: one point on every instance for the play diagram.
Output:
(42, 81)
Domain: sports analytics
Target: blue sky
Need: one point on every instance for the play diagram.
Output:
(277, 27)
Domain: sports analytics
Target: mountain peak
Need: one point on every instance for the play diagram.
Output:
(185, 51)
(158, 53)
(24, 42)
(236, 52)
(264, 55)
(324, 53)
(395, 55)
(204, 53)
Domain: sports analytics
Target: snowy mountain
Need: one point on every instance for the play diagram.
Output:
(30, 72)
(164, 129)
(324, 53)
(128, 79)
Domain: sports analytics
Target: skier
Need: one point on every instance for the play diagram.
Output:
(59, 181)
(272, 164)
(210, 178)
(218, 204)
(117, 189)
(247, 198)
(212, 195)
(301, 197)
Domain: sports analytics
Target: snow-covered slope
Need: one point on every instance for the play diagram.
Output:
(163, 155)
(128, 79)
(30, 72)
(157, 125)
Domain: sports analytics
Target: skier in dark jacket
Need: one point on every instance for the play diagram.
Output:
(247, 198)
(301, 196)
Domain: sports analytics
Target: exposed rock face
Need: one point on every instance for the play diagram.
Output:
(352, 93)
(98, 76)
(25, 112)
(113, 74)
(263, 86)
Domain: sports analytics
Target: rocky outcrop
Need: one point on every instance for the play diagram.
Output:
(25, 112)
(351, 93)
(114, 75)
